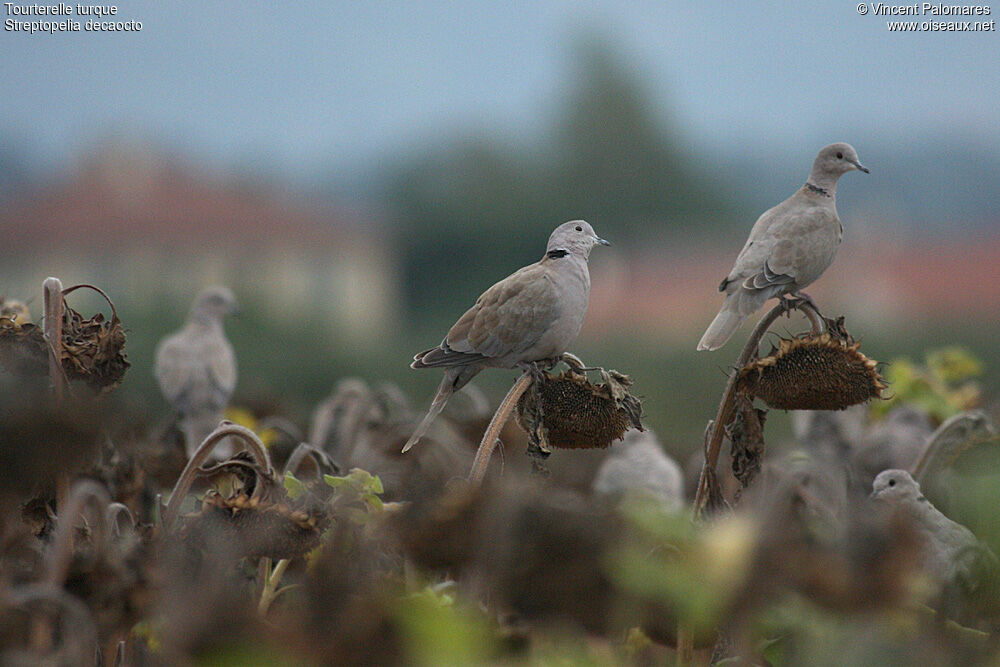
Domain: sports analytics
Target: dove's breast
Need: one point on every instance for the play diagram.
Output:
(571, 291)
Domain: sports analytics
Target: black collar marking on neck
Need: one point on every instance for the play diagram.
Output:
(557, 253)
(817, 189)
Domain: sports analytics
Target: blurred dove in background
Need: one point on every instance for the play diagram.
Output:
(894, 442)
(639, 465)
(789, 247)
(836, 431)
(531, 315)
(950, 548)
(196, 367)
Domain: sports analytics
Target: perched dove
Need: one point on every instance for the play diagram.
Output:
(196, 368)
(639, 465)
(950, 548)
(531, 315)
(789, 246)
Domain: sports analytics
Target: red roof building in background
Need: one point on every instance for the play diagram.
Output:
(129, 216)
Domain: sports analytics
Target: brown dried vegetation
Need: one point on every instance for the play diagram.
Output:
(812, 372)
(566, 411)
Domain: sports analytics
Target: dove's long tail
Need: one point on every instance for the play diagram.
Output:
(454, 379)
(738, 306)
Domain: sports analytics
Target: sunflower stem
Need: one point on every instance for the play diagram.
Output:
(270, 591)
(728, 402)
(500, 417)
(225, 429)
(52, 298)
(716, 428)
(61, 553)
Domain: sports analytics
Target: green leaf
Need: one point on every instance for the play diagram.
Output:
(293, 487)
(336, 482)
(953, 364)
(438, 631)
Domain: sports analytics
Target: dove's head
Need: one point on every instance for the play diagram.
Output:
(575, 237)
(835, 160)
(213, 304)
(895, 486)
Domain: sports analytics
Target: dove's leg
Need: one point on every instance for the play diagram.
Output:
(532, 368)
(805, 298)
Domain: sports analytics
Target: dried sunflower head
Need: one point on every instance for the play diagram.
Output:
(813, 372)
(257, 514)
(264, 529)
(93, 349)
(22, 347)
(566, 411)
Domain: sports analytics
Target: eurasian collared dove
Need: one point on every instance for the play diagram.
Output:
(196, 368)
(639, 465)
(949, 546)
(789, 247)
(531, 315)
(892, 443)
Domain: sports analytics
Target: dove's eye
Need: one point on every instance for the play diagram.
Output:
(579, 228)
(840, 156)
(892, 482)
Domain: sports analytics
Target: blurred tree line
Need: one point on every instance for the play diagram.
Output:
(474, 208)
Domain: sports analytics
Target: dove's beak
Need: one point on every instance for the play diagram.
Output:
(860, 166)
(602, 241)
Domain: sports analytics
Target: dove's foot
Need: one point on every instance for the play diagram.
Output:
(794, 300)
(576, 365)
(574, 362)
(787, 305)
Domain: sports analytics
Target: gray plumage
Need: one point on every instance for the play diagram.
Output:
(789, 247)
(196, 367)
(949, 547)
(832, 431)
(638, 465)
(894, 442)
(531, 315)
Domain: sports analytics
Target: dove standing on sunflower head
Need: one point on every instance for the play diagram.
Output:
(789, 247)
(531, 315)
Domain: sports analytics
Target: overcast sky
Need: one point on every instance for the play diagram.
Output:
(336, 83)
